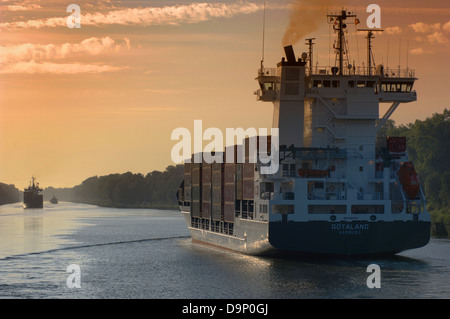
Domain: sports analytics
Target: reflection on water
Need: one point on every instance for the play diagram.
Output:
(121, 255)
(25, 231)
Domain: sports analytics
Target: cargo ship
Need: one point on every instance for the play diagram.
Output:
(339, 189)
(31, 196)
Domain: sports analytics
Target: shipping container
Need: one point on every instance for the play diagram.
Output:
(396, 144)
(217, 212)
(228, 212)
(217, 195)
(187, 175)
(187, 180)
(239, 176)
(248, 188)
(229, 190)
(217, 167)
(229, 172)
(217, 178)
(196, 193)
(206, 209)
(196, 174)
(187, 194)
(248, 170)
(187, 168)
(197, 158)
(234, 154)
(206, 173)
(239, 193)
(195, 208)
(206, 192)
(250, 157)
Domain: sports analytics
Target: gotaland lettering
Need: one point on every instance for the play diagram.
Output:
(349, 226)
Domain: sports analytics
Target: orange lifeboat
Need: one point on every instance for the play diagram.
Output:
(408, 178)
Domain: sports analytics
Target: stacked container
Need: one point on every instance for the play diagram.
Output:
(196, 192)
(187, 182)
(229, 190)
(217, 191)
(206, 190)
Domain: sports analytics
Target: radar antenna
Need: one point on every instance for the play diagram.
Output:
(370, 58)
(338, 21)
(310, 44)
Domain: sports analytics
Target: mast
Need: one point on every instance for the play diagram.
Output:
(263, 37)
(339, 26)
(310, 44)
(370, 58)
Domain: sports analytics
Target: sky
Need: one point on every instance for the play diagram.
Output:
(105, 98)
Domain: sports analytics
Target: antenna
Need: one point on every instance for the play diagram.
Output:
(407, 54)
(370, 58)
(310, 43)
(387, 60)
(339, 25)
(264, 35)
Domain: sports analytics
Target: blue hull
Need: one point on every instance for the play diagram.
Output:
(349, 238)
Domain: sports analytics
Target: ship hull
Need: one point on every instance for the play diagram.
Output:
(33, 205)
(33, 201)
(318, 237)
(349, 238)
(254, 242)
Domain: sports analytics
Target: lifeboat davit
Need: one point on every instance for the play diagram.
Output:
(408, 178)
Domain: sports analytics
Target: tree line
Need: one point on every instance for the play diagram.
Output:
(156, 190)
(9, 194)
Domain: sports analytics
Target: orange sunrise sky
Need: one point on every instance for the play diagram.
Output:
(105, 98)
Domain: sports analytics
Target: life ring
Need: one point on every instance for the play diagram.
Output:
(331, 188)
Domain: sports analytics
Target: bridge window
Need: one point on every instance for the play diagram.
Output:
(396, 87)
(370, 84)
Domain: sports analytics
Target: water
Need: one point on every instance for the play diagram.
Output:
(144, 253)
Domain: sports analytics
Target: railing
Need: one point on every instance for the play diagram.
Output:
(359, 70)
(374, 71)
(268, 72)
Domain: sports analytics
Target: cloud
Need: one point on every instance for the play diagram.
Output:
(393, 30)
(420, 51)
(446, 27)
(29, 58)
(169, 15)
(438, 37)
(16, 7)
(90, 46)
(422, 27)
(32, 67)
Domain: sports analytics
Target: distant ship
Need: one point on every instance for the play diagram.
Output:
(54, 200)
(339, 189)
(31, 196)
